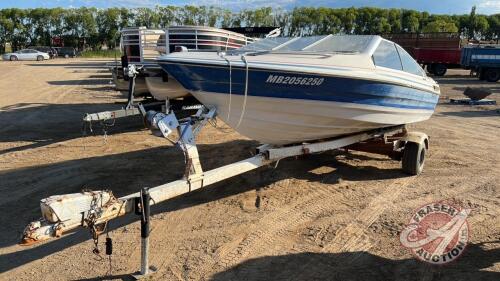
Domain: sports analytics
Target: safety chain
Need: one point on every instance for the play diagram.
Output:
(104, 125)
(95, 229)
(90, 221)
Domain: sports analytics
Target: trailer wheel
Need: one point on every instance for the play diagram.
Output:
(413, 158)
(430, 68)
(439, 69)
(492, 75)
(480, 74)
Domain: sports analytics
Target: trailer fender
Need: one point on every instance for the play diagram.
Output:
(414, 146)
(416, 137)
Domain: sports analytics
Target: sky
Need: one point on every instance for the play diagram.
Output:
(431, 6)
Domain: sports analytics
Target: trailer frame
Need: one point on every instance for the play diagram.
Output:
(91, 209)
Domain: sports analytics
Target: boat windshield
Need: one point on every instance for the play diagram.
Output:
(312, 44)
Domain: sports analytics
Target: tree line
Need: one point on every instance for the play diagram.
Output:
(94, 28)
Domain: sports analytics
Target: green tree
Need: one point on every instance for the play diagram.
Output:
(472, 22)
(410, 21)
(440, 26)
(349, 20)
(147, 17)
(94, 28)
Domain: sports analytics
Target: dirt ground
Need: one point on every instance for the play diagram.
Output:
(332, 216)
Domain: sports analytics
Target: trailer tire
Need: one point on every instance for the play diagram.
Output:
(430, 68)
(439, 69)
(492, 75)
(480, 74)
(413, 158)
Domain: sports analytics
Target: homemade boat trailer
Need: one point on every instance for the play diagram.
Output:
(93, 209)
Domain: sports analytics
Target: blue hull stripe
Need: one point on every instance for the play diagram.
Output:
(335, 89)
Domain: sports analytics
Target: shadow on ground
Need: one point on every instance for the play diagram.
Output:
(127, 172)
(45, 124)
(348, 266)
(76, 65)
(84, 82)
(473, 113)
(363, 266)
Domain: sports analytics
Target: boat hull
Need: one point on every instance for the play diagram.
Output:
(286, 121)
(164, 90)
(271, 111)
(140, 90)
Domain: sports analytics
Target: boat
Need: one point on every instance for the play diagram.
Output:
(286, 90)
(201, 38)
(140, 46)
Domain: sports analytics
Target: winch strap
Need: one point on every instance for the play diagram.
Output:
(230, 88)
(243, 58)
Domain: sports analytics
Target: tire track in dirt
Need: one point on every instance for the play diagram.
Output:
(272, 227)
(352, 238)
(174, 223)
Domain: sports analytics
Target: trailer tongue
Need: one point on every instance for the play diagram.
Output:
(93, 209)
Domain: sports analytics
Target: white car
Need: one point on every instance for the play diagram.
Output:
(26, 54)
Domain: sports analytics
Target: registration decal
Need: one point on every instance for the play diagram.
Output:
(294, 80)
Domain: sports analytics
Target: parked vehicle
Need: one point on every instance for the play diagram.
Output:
(483, 60)
(54, 51)
(67, 52)
(45, 49)
(437, 61)
(26, 54)
(435, 51)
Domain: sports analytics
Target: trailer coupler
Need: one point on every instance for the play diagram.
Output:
(61, 213)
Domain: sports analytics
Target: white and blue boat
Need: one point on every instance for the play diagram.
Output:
(292, 90)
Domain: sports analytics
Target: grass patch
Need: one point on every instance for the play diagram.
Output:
(100, 54)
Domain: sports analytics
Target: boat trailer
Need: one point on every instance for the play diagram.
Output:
(132, 108)
(93, 209)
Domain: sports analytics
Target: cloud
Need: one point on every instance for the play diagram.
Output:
(489, 7)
